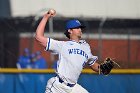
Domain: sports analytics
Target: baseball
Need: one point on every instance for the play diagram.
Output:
(52, 11)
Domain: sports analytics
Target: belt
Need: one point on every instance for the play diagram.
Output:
(68, 84)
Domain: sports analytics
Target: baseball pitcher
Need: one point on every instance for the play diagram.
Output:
(73, 55)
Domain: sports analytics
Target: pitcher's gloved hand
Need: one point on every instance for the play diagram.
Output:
(107, 66)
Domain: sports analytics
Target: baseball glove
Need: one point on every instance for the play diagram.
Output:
(107, 66)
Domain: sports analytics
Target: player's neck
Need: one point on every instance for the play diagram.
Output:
(75, 39)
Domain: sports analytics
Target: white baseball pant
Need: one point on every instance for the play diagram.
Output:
(54, 86)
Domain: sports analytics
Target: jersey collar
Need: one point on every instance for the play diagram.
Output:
(80, 41)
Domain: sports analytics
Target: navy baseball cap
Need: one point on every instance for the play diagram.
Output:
(74, 24)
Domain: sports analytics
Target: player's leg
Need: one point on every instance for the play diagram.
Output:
(49, 86)
(79, 89)
(54, 86)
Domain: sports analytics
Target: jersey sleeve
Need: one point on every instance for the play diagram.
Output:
(91, 59)
(54, 45)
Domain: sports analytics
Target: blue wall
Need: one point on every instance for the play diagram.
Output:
(35, 83)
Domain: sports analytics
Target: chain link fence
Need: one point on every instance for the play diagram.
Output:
(115, 38)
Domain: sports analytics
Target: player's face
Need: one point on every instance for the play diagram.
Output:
(76, 32)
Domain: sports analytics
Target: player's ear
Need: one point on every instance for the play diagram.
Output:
(70, 31)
